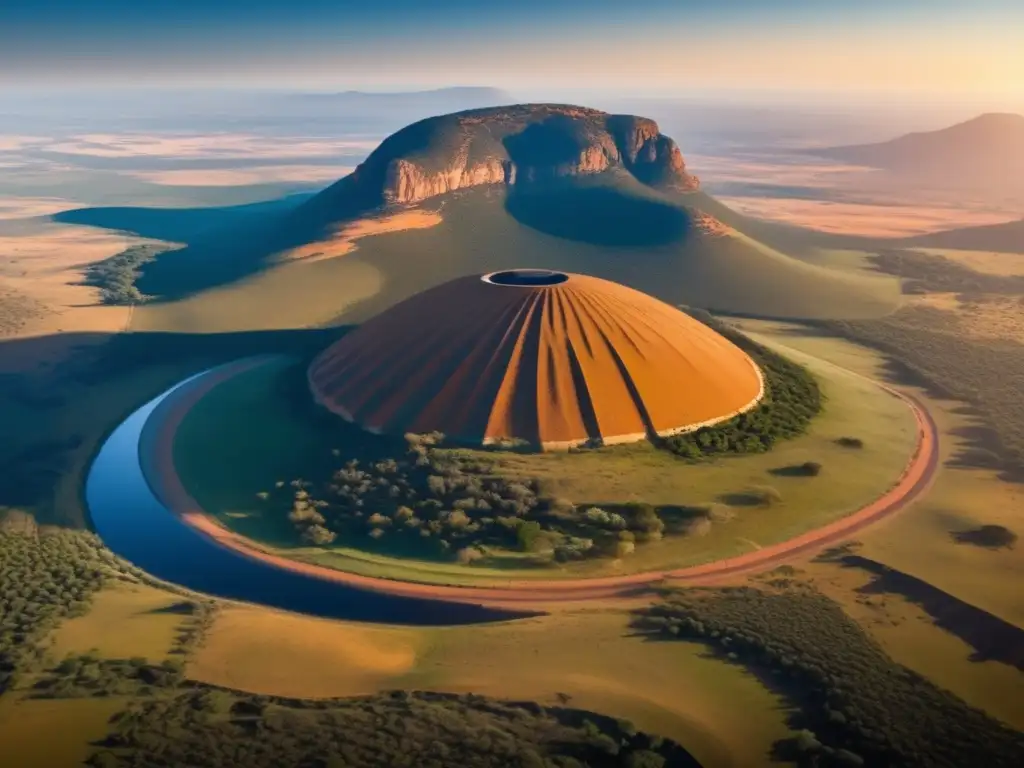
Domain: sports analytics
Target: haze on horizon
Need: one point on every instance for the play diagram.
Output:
(824, 49)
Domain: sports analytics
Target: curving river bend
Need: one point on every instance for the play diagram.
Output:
(135, 525)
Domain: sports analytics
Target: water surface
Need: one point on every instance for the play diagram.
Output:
(135, 525)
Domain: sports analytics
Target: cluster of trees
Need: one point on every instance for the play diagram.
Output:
(438, 501)
(988, 373)
(86, 675)
(207, 727)
(43, 578)
(116, 276)
(792, 398)
(858, 706)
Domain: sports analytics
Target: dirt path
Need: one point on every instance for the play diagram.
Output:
(158, 466)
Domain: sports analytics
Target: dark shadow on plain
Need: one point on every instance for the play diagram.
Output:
(177, 225)
(742, 499)
(183, 608)
(807, 469)
(987, 537)
(991, 638)
(226, 244)
(34, 461)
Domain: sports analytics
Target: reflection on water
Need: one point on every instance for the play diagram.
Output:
(136, 526)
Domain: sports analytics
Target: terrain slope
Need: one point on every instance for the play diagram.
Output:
(547, 186)
(988, 148)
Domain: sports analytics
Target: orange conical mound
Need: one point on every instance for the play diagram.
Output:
(552, 358)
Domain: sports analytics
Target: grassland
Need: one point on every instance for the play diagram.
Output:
(911, 636)
(54, 733)
(856, 706)
(125, 620)
(559, 659)
(966, 493)
(285, 443)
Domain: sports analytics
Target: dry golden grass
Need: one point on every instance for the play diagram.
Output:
(991, 317)
(258, 649)
(919, 541)
(986, 262)
(124, 621)
(910, 636)
(52, 733)
(343, 241)
(867, 219)
(672, 689)
(46, 265)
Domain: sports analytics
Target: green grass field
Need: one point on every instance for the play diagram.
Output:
(250, 433)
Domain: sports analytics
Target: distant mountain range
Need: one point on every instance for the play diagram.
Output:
(989, 148)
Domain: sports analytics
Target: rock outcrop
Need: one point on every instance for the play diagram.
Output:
(515, 145)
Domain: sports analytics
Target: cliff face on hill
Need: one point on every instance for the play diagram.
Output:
(515, 145)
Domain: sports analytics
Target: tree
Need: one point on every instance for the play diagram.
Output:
(528, 535)
(318, 535)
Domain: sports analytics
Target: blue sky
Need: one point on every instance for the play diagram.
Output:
(655, 45)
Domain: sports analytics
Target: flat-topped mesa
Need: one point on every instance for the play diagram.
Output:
(516, 145)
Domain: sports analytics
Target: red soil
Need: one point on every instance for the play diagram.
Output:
(167, 486)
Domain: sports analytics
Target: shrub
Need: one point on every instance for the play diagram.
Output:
(467, 555)
(698, 526)
(528, 534)
(850, 442)
(624, 548)
(765, 495)
(318, 535)
(720, 513)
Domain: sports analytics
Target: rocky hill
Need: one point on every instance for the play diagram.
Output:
(511, 145)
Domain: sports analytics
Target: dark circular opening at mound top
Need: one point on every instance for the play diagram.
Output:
(526, 277)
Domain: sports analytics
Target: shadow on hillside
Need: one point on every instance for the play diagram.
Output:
(598, 215)
(991, 638)
(57, 416)
(221, 245)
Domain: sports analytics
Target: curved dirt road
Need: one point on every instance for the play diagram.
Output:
(156, 455)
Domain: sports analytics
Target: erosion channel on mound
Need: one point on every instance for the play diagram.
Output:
(552, 359)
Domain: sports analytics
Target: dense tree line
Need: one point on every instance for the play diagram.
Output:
(792, 398)
(115, 276)
(47, 575)
(988, 373)
(858, 706)
(208, 727)
(43, 578)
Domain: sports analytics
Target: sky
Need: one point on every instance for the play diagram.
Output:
(840, 48)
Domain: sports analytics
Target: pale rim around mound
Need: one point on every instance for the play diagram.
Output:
(167, 487)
